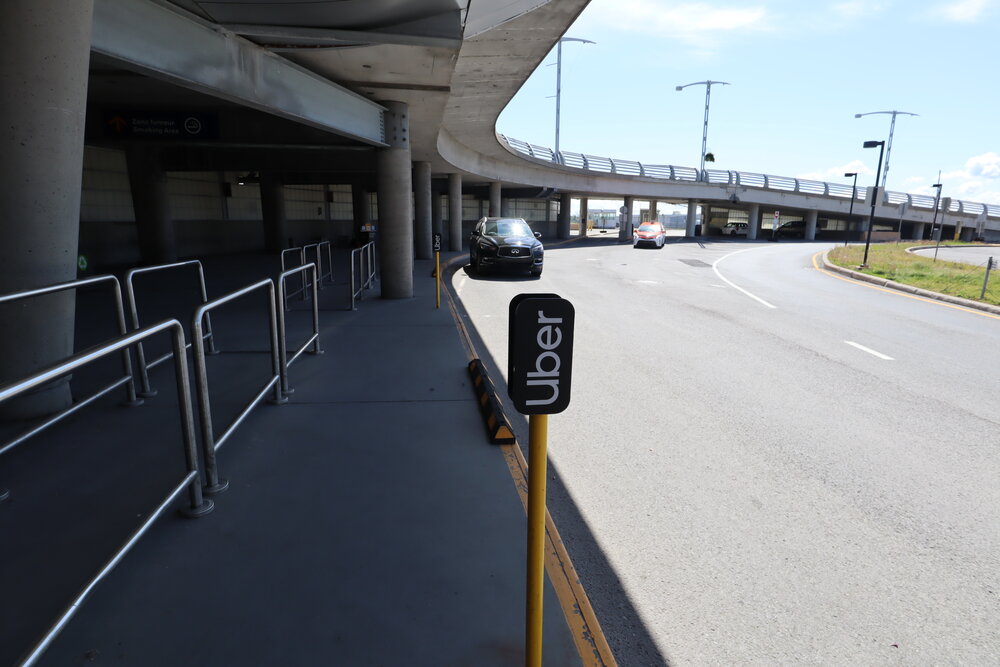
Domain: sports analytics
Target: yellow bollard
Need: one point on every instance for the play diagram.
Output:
(437, 276)
(537, 443)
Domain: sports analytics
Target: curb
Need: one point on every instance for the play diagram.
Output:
(909, 289)
(497, 426)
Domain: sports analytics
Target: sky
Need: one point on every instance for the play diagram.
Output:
(799, 72)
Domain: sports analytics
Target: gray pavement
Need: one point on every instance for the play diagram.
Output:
(368, 521)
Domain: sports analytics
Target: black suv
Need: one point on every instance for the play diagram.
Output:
(505, 242)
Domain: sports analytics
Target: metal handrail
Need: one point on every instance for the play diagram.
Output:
(140, 353)
(282, 340)
(323, 275)
(302, 260)
(128, 379)
(198, 505)
(210, 445)
(671, 172)
(366, 271)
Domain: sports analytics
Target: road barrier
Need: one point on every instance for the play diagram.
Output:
(198, 505)
(497, 426)
(146, 389)
(128, 379)
(210, 445)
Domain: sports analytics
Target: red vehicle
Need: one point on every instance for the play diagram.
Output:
(649, 233)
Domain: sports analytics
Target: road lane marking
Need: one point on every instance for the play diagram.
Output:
(861, 283)
(715, 267)
(869, 350)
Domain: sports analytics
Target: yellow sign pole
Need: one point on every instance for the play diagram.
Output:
(437, 276)
(537, 442)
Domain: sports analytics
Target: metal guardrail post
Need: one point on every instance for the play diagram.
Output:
(282, 339)
(146, 389)
(210, 445)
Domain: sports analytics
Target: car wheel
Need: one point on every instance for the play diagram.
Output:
(537, 273)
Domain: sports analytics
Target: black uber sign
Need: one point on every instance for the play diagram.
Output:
(540, 353)
(436, 242)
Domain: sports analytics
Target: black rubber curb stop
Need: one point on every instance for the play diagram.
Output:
(497, 426)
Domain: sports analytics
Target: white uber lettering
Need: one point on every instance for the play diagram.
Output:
(548, 363)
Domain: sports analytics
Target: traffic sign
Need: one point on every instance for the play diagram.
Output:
(540, 353)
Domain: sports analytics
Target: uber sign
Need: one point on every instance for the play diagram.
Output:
(540, 353)
(436, 242)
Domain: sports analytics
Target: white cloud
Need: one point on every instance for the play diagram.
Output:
(836, 174)
(986, 165)
(978, 181)
(693, 23)
(963, 11)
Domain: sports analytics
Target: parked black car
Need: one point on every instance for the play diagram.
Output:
(796, 229)
(497, 242)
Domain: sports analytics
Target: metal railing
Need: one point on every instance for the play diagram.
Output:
(301, 252)
(746, 179)
(146, 389)
(128, 379)
(365, 275)
(318, 249)
(198, 505)
(282, 339)
(210, 445)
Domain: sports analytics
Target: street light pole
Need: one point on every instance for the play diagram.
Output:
(850, 213)
(892, 127)
(704, 131)
(871, 219)
(937, 200)
(559, 79)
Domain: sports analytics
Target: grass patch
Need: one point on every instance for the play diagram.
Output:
(891, 261)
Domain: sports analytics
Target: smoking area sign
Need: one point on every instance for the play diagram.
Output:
(540, 353)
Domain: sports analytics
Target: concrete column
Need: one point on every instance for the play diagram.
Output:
(811, 218)
(654, 213)
(918, 231)
(44, 56)
(395, 205)
(151, 203)
(455, 211)
(753, 218)
(563, 224)
(691, 217)
(436, 213)
(584, 214)
(494, 200)
(272, 208)
(625, 228)
(549, 204)
(422, 209)
(361, 212)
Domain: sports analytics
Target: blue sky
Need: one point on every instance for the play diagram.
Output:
(799, 71)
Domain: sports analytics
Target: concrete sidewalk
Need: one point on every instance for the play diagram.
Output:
(368, 521)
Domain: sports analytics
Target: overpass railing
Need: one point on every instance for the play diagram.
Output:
(740, 178)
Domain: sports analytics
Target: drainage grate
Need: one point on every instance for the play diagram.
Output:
(696, 262)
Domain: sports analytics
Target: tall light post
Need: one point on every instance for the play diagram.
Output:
(937, 200)
(892, 126)
(559, 78)
(850, 214)
(871, 219)
(704, 132)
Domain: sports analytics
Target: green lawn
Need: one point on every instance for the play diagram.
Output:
(891, 261)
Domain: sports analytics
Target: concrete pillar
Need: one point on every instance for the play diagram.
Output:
(151, 202)
(454, 211)
(918, 231)
(654, 213)
(753, 221)
(272, 208)
(495, 200)
(436, 213)
(422, 209)
(692, 220)
(811, 219)
(395, 205)
(563, 224)
(584, 214)
(361, 212)
(44, 56)
(625, 228)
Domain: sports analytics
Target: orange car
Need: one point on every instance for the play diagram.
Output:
(649, 233)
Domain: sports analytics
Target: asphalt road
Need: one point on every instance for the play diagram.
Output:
(767, 464)
(976, 255)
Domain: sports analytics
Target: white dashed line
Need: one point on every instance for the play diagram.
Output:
(869, 350)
